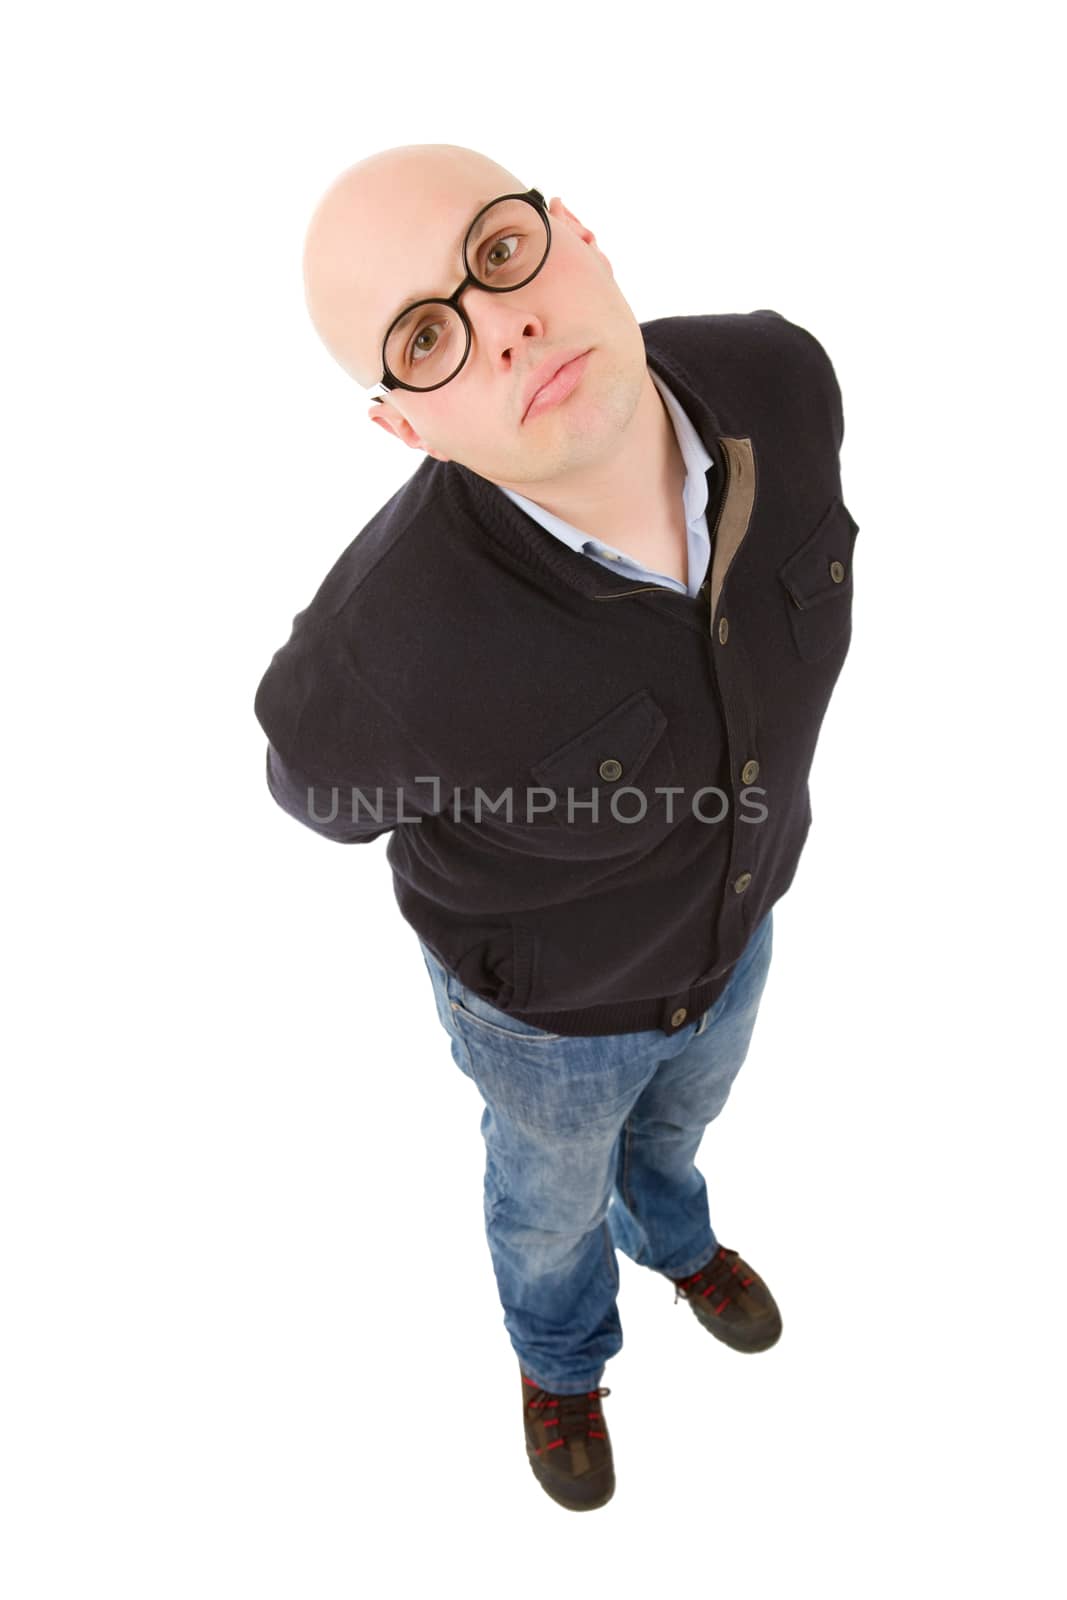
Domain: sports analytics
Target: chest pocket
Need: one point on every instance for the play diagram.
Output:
(627, 749)
(817, 579)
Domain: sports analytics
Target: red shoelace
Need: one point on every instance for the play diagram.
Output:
(570, 1411)
(713, 1278)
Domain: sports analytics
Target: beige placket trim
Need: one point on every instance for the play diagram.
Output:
(735, 512)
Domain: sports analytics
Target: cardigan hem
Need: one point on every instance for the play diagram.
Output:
(631, 1016)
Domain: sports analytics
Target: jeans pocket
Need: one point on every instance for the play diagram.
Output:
(474, 1012)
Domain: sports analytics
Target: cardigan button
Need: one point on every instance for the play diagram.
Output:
(742, 883)
(678, 1017)
(837, 572)
(610, 769)
(724, 630)
(750, 772)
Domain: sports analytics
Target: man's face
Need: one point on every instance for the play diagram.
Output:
(573, 304)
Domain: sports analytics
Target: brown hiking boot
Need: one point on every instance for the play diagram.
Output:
(568, 1446)
(732, 1302)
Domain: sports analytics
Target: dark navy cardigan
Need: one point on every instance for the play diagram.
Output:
(594, 789)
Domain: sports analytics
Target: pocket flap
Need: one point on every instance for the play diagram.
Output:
(822, 567)
(626, 735)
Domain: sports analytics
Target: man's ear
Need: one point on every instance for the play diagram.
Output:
(586, 235)
(387, 417)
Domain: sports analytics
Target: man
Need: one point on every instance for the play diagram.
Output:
(576, 667)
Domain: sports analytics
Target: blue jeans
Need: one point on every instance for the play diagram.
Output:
(590, 1144)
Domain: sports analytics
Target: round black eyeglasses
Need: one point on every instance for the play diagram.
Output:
(515, 222)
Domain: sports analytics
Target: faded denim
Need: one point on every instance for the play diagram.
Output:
(590, 1144)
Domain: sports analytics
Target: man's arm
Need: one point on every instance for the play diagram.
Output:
(338, 759)
(337, 811)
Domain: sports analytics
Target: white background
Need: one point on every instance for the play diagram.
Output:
(252, 1344)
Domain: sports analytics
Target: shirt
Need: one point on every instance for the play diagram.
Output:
(594, 789)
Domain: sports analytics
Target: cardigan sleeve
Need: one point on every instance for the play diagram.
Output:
(328, 808)
(339, 759)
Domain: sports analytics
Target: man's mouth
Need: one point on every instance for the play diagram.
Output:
(563, 383)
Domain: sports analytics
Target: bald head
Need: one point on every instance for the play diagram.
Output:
(388, 230)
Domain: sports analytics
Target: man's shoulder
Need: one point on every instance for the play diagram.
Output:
(367, 564)
(694, 342)
(383, 623)
(751, 363)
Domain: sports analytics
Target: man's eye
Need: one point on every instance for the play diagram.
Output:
(426, 327)
(505, 239)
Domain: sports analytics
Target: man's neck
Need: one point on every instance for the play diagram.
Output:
(633, 498)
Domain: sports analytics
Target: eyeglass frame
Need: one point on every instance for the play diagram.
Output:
(380, 390)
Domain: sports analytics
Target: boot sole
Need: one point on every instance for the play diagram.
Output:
(553, 1493)
(750, 1347)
